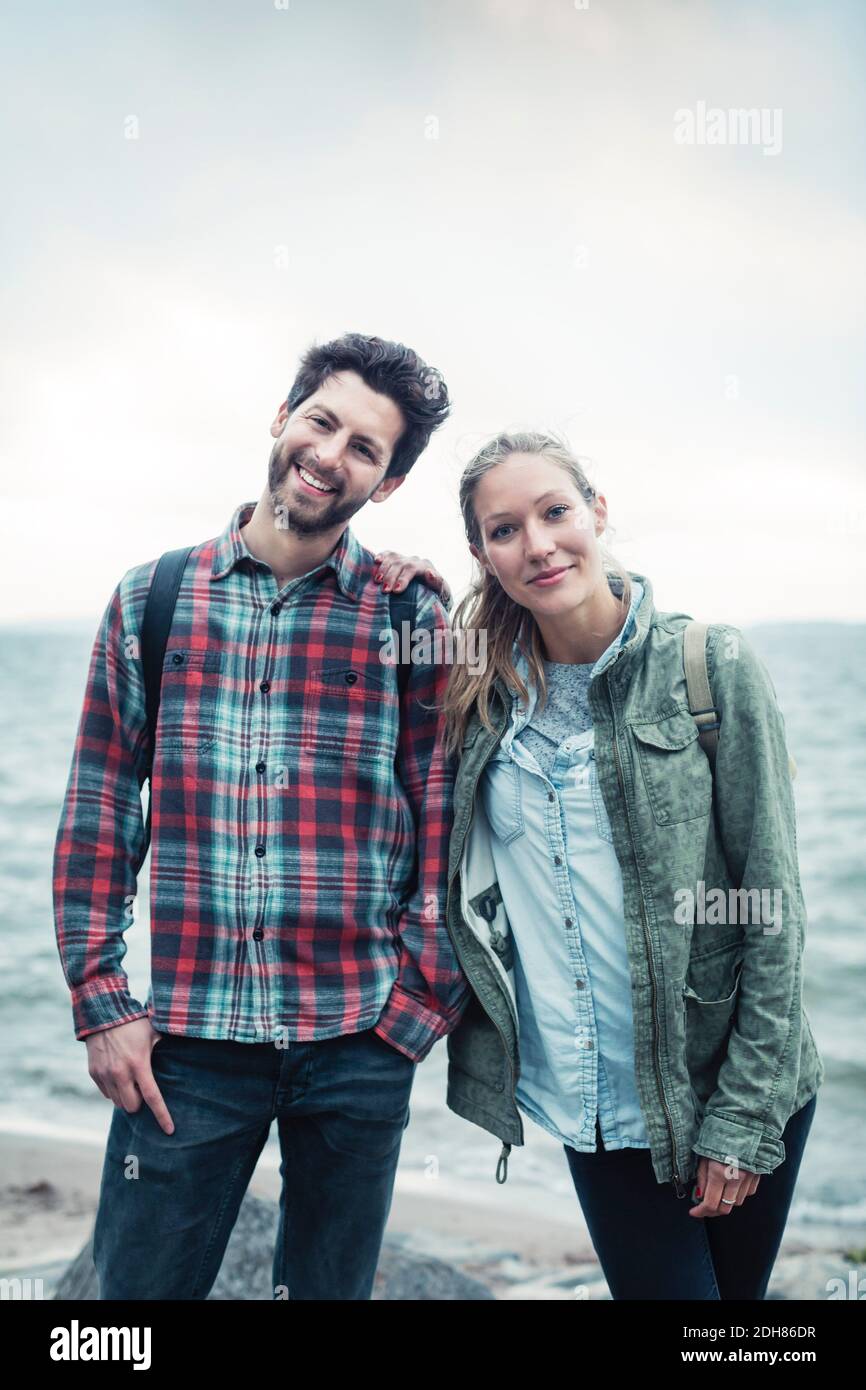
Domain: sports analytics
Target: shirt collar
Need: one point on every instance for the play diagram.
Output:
(346, 559)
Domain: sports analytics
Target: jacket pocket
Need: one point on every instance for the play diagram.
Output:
(674, 768)
(189, 700)
(347, 714)
(708, 1026)
(502, 796)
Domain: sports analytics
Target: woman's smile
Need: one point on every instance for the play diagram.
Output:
(547, 578)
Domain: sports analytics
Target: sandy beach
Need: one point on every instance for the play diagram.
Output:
(50, 1188)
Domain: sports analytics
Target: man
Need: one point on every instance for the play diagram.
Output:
(300, 812)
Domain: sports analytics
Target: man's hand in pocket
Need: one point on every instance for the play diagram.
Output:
(118, 1060)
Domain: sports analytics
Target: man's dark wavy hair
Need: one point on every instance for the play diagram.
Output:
(390, 368)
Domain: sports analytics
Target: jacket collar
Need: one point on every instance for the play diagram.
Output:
(349, 561)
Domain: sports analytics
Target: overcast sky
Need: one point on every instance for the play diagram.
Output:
(497, 183)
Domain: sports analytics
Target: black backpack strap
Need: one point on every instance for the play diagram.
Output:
(155, 628)
(402, 609)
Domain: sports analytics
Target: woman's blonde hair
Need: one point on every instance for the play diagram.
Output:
(487, 606)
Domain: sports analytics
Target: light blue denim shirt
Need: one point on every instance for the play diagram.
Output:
(562, 888)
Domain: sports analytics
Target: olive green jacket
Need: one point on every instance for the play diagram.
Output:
(724, 1053)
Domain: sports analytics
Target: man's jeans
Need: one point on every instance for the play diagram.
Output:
(650, 1248)
(168, 1202)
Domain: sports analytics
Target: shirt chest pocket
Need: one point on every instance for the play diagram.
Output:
(189, 699)
(502, 796)
(350, 714)
(674, 768)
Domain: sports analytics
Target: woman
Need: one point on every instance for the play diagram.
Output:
(626, 997)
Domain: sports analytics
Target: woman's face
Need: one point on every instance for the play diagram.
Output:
(538, 534)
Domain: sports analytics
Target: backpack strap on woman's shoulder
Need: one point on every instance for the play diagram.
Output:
(700, 697)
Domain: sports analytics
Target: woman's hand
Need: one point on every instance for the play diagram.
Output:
(395, 571)
(713, 1183)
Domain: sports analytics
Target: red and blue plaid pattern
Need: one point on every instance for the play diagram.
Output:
(300, 817)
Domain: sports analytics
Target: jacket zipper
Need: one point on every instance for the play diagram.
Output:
(506, 1148)
(679, 1186)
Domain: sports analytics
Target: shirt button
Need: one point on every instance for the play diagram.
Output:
(351, 677)
(260, 849)
(568, 921)
(550, 796)
(588, 1042)
(260, 767)
(275, 607)
(580, 984)
(258, 934)
(265, 687)
(177, 658)
(557, 859)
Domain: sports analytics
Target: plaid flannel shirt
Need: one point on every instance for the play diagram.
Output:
(300, 816)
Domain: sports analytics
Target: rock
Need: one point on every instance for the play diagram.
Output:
(246, 1268)
(79, 1281)
(580, 1286)
(403, 1275)
(817, 1277)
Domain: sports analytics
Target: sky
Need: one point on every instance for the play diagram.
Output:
(197, 192)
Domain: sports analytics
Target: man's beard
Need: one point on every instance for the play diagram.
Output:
(288, 515)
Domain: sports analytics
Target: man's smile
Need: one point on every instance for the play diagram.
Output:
(311, 482)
